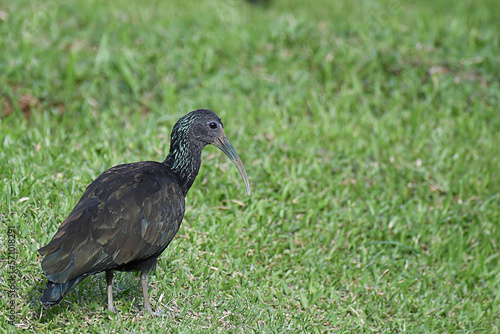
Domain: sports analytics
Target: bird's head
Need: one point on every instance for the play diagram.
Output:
(203, 127)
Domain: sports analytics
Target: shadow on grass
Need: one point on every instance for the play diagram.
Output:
(89, 297)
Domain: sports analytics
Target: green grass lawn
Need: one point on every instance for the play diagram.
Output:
(370, 131)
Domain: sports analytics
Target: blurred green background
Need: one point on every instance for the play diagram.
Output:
(369, 130)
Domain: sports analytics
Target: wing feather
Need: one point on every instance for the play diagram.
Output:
(128, 214)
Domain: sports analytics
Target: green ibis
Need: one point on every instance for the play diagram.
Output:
(129, 214)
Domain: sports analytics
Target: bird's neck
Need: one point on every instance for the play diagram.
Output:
(184, 160)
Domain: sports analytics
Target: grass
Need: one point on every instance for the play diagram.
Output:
(370, 132)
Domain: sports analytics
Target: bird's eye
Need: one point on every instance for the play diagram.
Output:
(212, 125)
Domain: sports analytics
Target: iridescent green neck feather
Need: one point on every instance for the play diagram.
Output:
(185, 153)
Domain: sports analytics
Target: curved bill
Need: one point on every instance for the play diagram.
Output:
(225, 146)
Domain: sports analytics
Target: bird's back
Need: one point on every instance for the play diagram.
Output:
(128, 215)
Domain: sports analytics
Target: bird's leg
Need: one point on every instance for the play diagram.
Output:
(145, 293)
(109, 283)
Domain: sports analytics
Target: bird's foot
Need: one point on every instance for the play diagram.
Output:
(161, 313)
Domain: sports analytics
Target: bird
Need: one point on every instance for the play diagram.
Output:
(130, 213)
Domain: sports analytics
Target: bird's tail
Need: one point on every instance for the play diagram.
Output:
(55, 292)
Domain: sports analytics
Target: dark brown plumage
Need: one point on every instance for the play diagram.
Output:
(131, 212)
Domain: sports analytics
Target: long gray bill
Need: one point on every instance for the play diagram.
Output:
(225, 146)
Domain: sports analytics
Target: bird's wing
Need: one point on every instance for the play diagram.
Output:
(129, 213)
